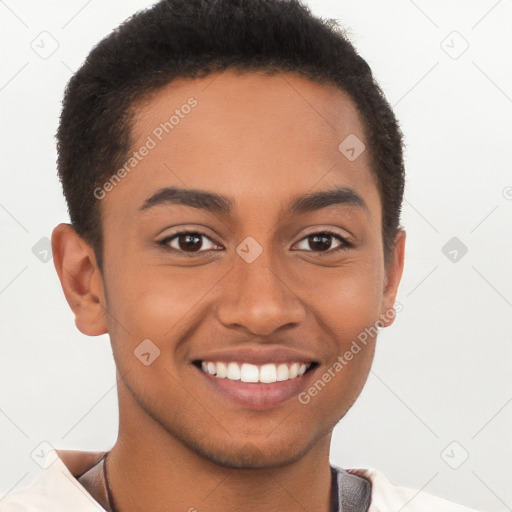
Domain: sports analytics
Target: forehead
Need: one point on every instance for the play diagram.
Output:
(249, 135)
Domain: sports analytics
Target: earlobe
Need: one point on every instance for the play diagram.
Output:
(80, 279)
(393, 270)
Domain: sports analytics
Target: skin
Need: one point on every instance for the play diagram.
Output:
(261, 141)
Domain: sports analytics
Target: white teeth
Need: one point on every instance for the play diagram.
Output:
(294, 370)
(266, 373)
(249, 373)
(233, 372)
(282, 372)
(222, 370)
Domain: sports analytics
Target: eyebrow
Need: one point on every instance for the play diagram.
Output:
(221, 204)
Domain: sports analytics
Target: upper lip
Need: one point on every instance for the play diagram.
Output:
(257, 356)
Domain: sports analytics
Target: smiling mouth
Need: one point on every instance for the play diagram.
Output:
(251, 373)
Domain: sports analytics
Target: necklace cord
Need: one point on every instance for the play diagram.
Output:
(110, 496)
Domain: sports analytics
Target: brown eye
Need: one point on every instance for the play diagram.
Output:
(189, 242)
(323, 242)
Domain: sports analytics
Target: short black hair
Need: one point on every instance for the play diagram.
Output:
(193, 38)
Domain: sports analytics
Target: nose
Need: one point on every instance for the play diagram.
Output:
(259, 298)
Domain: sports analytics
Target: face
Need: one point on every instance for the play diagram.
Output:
(243, 237)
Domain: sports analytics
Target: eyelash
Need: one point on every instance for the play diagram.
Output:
(344, 243)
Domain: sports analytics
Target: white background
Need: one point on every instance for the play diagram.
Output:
(441, 373)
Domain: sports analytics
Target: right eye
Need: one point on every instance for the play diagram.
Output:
(190, 242)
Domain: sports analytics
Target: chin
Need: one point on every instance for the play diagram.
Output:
(249, 455)
(250, 458)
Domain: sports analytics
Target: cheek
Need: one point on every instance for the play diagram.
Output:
(346, 300)
(156, 302)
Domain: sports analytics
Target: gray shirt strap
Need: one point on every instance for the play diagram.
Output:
(351, 493)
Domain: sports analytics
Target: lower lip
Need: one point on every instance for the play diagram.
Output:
(258, 395)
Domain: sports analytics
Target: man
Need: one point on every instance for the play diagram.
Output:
(234, 178)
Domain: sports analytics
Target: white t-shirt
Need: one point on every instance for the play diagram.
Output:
(57, 490)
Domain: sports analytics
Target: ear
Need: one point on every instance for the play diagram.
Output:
(393, 275)
(81, 279)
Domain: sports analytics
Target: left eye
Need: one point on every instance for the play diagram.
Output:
(322, 242)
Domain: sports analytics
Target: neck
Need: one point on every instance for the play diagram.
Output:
(148, 469)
